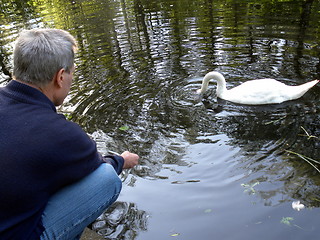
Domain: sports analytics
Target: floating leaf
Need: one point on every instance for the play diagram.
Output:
(250, 188)
(208, 210)
(68, 116)
(175, 234)
(287, 220)
(124, 128)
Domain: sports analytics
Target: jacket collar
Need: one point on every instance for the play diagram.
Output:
(27, 94)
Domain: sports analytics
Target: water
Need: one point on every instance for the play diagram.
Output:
(209, 169)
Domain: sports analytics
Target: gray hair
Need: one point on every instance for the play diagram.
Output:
(40, 53)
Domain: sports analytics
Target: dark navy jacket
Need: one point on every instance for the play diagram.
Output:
(40, 153)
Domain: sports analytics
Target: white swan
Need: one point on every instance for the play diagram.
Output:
(256, 92)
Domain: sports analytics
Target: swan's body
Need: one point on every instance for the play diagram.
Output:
(256, 92)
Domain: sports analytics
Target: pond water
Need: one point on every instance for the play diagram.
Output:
(209, 169)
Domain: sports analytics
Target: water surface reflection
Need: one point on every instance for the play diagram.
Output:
(121, 221)
(138, 66)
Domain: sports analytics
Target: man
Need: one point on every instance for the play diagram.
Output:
(53, 182)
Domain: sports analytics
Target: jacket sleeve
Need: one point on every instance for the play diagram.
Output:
(116, 161)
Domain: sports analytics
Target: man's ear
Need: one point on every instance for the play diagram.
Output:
(58, 77)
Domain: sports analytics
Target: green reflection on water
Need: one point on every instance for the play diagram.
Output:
(140, 61)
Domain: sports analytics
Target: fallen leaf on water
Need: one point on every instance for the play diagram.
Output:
(124, 128)
(250, 187)
(287, 220)
(175, 234)
(208, 210)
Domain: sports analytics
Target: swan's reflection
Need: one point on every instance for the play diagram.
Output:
(121, 221)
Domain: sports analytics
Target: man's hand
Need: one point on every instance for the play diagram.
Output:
(130, 159)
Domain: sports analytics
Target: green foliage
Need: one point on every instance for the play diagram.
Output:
(209, 210)
(124, 128)
(250, 187)
(287, 220)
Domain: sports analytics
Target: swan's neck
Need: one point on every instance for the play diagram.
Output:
(221, 83)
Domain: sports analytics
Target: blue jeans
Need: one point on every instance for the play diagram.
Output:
(74, 207)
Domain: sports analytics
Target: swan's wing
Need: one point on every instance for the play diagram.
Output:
(266, 84)
(265, 91)
(258, 87)
(260, 91)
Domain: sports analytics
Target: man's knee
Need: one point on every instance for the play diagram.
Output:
(108, 179)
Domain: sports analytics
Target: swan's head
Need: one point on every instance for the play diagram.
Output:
(211, 75)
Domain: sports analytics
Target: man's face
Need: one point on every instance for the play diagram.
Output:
(69, 80)
(65, 86)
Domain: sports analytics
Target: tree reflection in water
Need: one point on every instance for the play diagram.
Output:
(134, 61)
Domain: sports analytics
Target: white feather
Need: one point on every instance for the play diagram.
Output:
(296, 205)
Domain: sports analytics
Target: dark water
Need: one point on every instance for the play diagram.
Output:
(209, 169)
